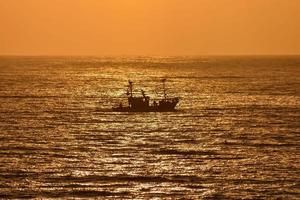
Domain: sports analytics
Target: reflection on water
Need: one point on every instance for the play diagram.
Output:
(236, 134)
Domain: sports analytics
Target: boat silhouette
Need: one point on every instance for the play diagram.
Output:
(142, 103)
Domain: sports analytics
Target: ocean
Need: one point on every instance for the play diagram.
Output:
(235, 133)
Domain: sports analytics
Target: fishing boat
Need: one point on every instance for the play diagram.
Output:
(144, 104)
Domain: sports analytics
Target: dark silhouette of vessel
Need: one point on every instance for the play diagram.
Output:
(142, 103)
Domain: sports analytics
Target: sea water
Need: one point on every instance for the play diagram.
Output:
(235, 134)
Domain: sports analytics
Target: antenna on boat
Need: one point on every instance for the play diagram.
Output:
(164, 87)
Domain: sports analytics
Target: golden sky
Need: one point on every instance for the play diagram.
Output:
(149, 27)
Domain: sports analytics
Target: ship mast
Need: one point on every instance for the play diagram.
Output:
(164, 87)
(130, 88)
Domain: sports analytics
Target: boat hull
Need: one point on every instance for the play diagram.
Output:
(169, 108)
(133, 110)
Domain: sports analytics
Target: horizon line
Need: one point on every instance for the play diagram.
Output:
(141, 55)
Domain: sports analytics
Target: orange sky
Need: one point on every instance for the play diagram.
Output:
(149, 27)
